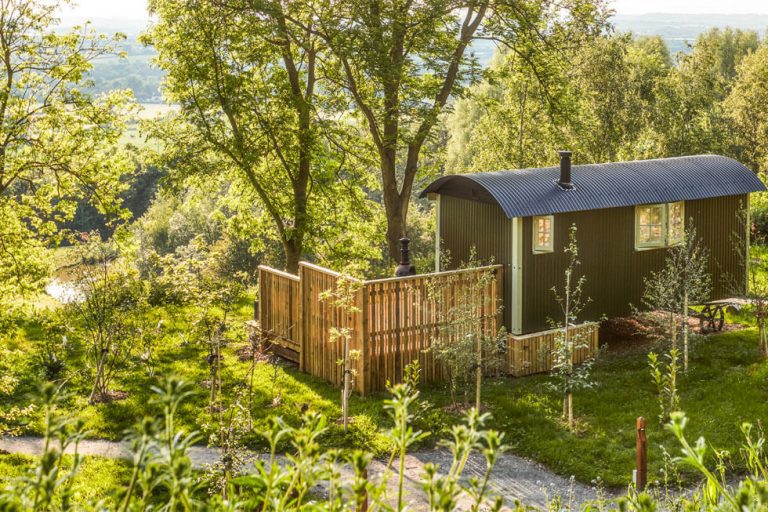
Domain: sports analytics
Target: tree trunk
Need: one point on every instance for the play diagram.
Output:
(98, 386)
(212, 394)
(292, 251)
(673, 329)
(685, 332)
(395, 231)
(478, 374)
(569, 402)
(396, 210)
(345, 389)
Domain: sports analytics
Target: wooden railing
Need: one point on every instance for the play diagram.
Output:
(533, 353)
(392, 322)
(279, 292)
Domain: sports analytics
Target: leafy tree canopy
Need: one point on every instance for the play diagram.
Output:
(57, 144)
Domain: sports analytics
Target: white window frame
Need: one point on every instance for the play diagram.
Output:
(678, 240)
(666, 229)
(550, 247)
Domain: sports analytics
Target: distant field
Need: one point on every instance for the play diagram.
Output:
(148, 111)
(152, 110)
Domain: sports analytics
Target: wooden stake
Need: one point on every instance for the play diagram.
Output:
(642, 456)
(363, 503)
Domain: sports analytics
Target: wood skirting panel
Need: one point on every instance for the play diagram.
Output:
(530, 354)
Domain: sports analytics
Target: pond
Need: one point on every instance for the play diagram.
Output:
(63, 291)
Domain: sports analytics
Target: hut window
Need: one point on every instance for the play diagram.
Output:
(676, 222)
(659, 225)
(543, 233)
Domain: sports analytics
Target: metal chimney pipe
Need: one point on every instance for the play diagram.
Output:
(405, 268)
(565, 170)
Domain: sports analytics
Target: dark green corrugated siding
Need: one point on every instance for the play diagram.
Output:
(464, 224)
(614, 270)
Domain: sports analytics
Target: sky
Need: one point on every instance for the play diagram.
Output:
(136, 9)
(691, 6)
(117, 9)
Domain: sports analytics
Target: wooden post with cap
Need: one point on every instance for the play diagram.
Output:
(641, 475)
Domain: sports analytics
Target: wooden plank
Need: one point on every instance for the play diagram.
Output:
(532, 353)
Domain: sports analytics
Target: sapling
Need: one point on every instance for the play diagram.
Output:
(216, 298)
(660, 295)
(684, 280)
(463, 343)
(111, 301)
(344, 297)
(567, 376)
(690, 260)
(665, 378)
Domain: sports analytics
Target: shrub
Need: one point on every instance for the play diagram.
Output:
(55, 345)
(162, 476)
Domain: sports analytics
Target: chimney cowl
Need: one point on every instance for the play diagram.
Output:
(565, 181)
(405, 268)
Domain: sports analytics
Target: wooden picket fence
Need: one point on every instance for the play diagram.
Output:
(532, 353)
(391, 322)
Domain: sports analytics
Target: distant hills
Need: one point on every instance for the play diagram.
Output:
(679, 29)
(136, 72)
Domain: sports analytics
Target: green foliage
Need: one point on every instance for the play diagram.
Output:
(256, 108)
(58, 144)
(568, 377)
(172, 221)
(161, 474)
(13, 416)
(618, 97)
(665, 378)
(745, 107)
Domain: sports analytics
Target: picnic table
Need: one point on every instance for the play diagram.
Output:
(713, 312)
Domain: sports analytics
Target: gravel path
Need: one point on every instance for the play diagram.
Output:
(514, 478)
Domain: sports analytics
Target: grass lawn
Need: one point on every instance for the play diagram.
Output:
(97, 478)
(188, 361)
(727, 385)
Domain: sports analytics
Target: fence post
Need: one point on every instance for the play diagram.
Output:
(300, 322)
(641, 473)
(363, 503)
(362, 337)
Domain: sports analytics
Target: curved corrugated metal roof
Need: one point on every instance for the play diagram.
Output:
(527, 192)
